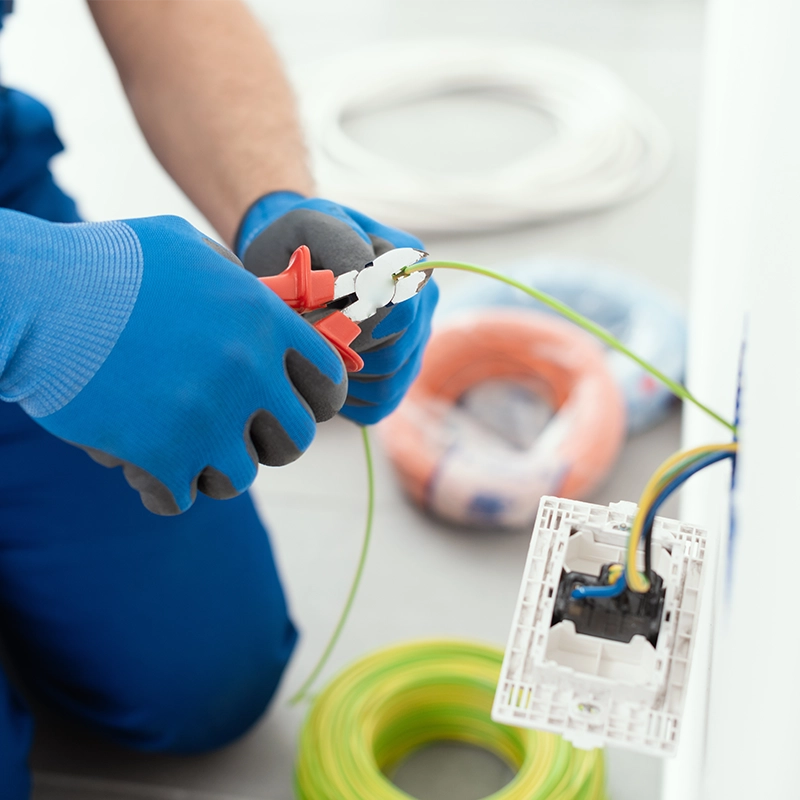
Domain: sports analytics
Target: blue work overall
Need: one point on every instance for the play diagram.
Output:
(165, 633)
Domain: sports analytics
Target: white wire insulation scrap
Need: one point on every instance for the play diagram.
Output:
(608, 146)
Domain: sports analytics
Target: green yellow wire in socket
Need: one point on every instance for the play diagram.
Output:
(386, 706)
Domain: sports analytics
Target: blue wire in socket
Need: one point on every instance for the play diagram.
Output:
(613, 590)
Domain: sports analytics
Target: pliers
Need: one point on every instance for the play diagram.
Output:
(351, 297)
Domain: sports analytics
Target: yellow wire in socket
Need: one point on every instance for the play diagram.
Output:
(393, 702)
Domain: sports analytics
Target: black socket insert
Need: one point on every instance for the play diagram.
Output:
(616, 618)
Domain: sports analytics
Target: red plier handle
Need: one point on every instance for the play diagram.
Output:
(304, 289)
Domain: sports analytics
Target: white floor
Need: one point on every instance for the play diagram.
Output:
(422, 579)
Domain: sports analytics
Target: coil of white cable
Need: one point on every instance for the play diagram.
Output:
(608, 146)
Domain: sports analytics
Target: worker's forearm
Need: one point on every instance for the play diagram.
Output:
(210, 96)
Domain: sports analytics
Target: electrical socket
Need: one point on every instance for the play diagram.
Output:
(591, 690)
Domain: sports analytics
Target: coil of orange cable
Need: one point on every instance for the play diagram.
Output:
(462, 475)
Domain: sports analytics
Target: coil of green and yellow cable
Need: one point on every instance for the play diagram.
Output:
(384, 707)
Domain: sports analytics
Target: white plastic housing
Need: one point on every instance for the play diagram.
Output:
(595, 691)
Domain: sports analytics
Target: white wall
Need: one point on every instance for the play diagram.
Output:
(744, 742)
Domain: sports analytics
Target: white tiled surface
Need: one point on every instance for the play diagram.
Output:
(422, 579)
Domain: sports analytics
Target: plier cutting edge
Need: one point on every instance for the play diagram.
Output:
(351, 297)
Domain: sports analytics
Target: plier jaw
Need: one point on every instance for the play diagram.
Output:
(360, 293)
(352, 297)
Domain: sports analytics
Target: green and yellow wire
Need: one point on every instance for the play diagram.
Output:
(583, 322)
(351, 595)
(615, 572)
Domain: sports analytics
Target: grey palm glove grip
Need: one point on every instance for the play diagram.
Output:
(333, 235)
(150, 346)
(333, 245)
(264, 437)
(392, 342)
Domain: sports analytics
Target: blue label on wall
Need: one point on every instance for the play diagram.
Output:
(736, 419)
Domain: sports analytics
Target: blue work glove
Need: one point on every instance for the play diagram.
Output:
(340, 239)
(148, 345)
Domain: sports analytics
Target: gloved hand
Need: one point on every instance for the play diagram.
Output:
(340, 239)
(148, 345)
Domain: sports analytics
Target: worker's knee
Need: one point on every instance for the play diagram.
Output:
(208, 699)
(221, 700)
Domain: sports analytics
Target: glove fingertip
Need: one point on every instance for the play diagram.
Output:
(270, 441)
(324, 395)
(216, 484)
(156, 496)
(366, 414)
